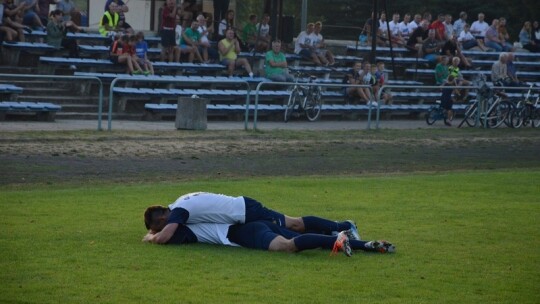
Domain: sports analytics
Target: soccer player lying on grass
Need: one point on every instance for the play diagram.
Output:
(262, 235)
(204, 207)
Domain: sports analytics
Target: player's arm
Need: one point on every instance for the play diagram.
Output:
(163, 236)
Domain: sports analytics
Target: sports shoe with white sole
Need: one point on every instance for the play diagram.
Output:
(353, 231)
(342, 243)
(381, 246)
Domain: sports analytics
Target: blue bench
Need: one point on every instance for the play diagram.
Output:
(152, 40)
(43, 110)
(93, 64)
(10, 89)
(12, 51)
(526, 75)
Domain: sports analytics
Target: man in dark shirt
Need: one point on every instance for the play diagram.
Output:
(417, 38)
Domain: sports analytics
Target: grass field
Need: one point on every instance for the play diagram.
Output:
(461, 237)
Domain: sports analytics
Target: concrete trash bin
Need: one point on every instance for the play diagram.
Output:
(191, 114)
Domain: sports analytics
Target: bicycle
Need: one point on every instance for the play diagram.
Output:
(526, 111)
(306, 98)
(497, 111)
(436, 112)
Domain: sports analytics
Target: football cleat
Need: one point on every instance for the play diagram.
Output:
(342, 243)
(381, 246)
(352, 233)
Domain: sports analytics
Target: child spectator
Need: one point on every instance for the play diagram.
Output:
(380, 78)
(119, 54)
(141, 49)
(441, 70)
(447, 101)
(56, 33)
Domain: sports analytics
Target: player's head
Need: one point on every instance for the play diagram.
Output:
(155, 217)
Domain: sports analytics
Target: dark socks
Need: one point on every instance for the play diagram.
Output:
(319, 225)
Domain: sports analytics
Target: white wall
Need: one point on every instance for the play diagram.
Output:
(138, 16)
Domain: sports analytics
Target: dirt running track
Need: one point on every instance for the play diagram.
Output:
(134, 156)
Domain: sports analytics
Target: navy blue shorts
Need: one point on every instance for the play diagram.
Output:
(168, 38)
(255, 211)
(258, 234)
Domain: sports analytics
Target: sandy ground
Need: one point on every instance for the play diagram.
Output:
(141, 151)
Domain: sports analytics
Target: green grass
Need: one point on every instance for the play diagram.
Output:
(468, 237)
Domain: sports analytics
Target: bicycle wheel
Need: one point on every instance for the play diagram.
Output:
(294, 99)
(517, 117)
(535, 117)
(313, 106)
(497, 115)
(471, 111)
(431, 116)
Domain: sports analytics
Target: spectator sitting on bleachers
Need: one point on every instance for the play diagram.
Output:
(226, 23)
(168, 24)
(304, 45)
(536, 32)
(492, 38)
(431, 47)
(414, 23)
(249, 32)
(122, 8)
(263, 32)
(6, 33)
(499, 74)
(417, 38)
(395, 33)
(441, 70)
(438, 27)
(466, 39)
(404, 28)
(503, 32)
(359, 74)
(11, 20)
(43, 10)
(325, 56)
(108, 26)
(30, 16)
(453, 70)
(56, 33)
(141, 49)
(525, 38)
(204, 42)
(190, 42)
(119, 54)
(451, 48)
(449, 27)
(275, 64)
(129, 48)
(229, 48)
(382, 31)
(460, 23)
(512, 72)
(478, 29)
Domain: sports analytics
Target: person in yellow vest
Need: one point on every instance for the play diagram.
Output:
(108, 26)
(229, 48)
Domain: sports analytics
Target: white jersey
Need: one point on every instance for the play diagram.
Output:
(303, 38)
(265, 29)
(206, 207)
(404, 29)
(201, 29)
(211, 233)
(479, 28)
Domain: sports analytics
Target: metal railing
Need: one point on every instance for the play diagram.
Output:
(70, 78)
(310, 84)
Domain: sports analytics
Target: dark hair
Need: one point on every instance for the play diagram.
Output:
(151, 215)
(56, 12)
